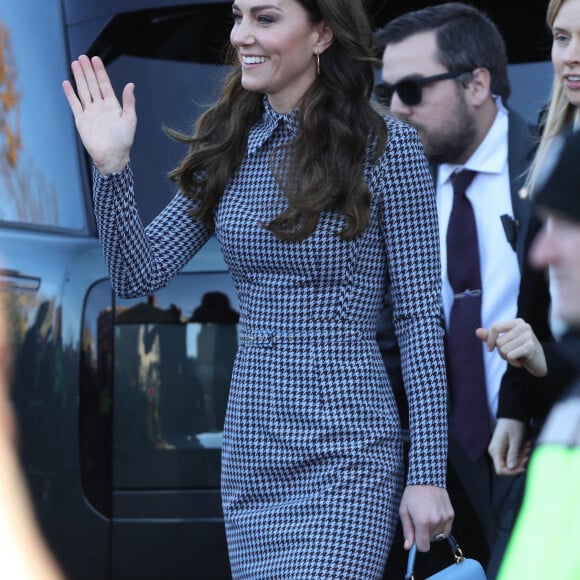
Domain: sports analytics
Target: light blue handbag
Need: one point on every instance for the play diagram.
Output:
(463, 569)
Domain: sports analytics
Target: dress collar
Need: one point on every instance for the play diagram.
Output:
(269, 122)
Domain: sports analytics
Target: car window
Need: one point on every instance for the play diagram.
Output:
(39, 174)
(173, 358)
(184, 93)
(173, 352)
(95, 395)
(177, 73)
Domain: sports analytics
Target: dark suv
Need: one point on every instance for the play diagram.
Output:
(121, 403)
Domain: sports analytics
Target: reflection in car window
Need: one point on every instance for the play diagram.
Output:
(94, 401)
(39, 180)
(174, 353)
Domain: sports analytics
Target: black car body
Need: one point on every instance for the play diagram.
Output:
(120, 403)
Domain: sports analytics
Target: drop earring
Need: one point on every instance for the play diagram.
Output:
(317, 63)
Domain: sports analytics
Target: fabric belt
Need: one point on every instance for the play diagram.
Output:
(272, 337)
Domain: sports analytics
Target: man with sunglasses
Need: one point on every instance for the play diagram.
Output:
(445, 73)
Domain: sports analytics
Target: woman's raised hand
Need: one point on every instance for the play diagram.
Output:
(106, 128)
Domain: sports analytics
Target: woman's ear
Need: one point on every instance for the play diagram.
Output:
(325, 37)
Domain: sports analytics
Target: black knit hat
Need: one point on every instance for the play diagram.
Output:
(558, 184)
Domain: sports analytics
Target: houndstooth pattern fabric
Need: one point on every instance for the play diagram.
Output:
(312, 468)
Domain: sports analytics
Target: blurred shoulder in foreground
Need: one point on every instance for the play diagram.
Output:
(23, 552)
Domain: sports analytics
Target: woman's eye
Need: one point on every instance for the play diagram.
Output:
(265, 19)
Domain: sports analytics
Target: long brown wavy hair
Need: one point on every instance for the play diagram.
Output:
(338, 124)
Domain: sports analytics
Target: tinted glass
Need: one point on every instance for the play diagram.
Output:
(94, 401)
(173, 359)
(174, 56)
(39, 180)
(168, 93)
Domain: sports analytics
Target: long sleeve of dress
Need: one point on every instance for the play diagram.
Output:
(140, 259)
(412, 245)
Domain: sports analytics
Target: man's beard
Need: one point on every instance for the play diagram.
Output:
(449, 147)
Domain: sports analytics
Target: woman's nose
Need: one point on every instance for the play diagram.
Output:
(241, 34)
(572, 53)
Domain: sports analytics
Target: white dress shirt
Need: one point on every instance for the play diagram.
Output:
(490, 197)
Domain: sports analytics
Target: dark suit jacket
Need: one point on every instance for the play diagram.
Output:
(538, 395)
(522, 396)
(521, 146)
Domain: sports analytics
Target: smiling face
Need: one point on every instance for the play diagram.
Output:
(566, 49)
(276, 44)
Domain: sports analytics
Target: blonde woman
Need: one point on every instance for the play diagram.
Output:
(539, 368)
(561, 115)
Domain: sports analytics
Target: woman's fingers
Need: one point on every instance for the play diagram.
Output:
(91, 80)
(71, 96)
(93, 91)
(106, 128)
(129, 99)
(82, 89)
(103, 82)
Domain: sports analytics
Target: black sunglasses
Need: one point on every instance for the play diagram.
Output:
(410, 90)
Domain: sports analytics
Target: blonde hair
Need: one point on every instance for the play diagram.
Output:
(560, 114)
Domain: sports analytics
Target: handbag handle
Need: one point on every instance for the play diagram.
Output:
(457, 554)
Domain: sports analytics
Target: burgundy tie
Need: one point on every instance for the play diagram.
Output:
(469, 409)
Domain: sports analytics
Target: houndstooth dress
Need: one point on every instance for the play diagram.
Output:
(312, 467)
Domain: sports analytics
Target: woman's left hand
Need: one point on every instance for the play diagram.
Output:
(426, 514)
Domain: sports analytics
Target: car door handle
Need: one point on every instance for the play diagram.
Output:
(14, 280)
